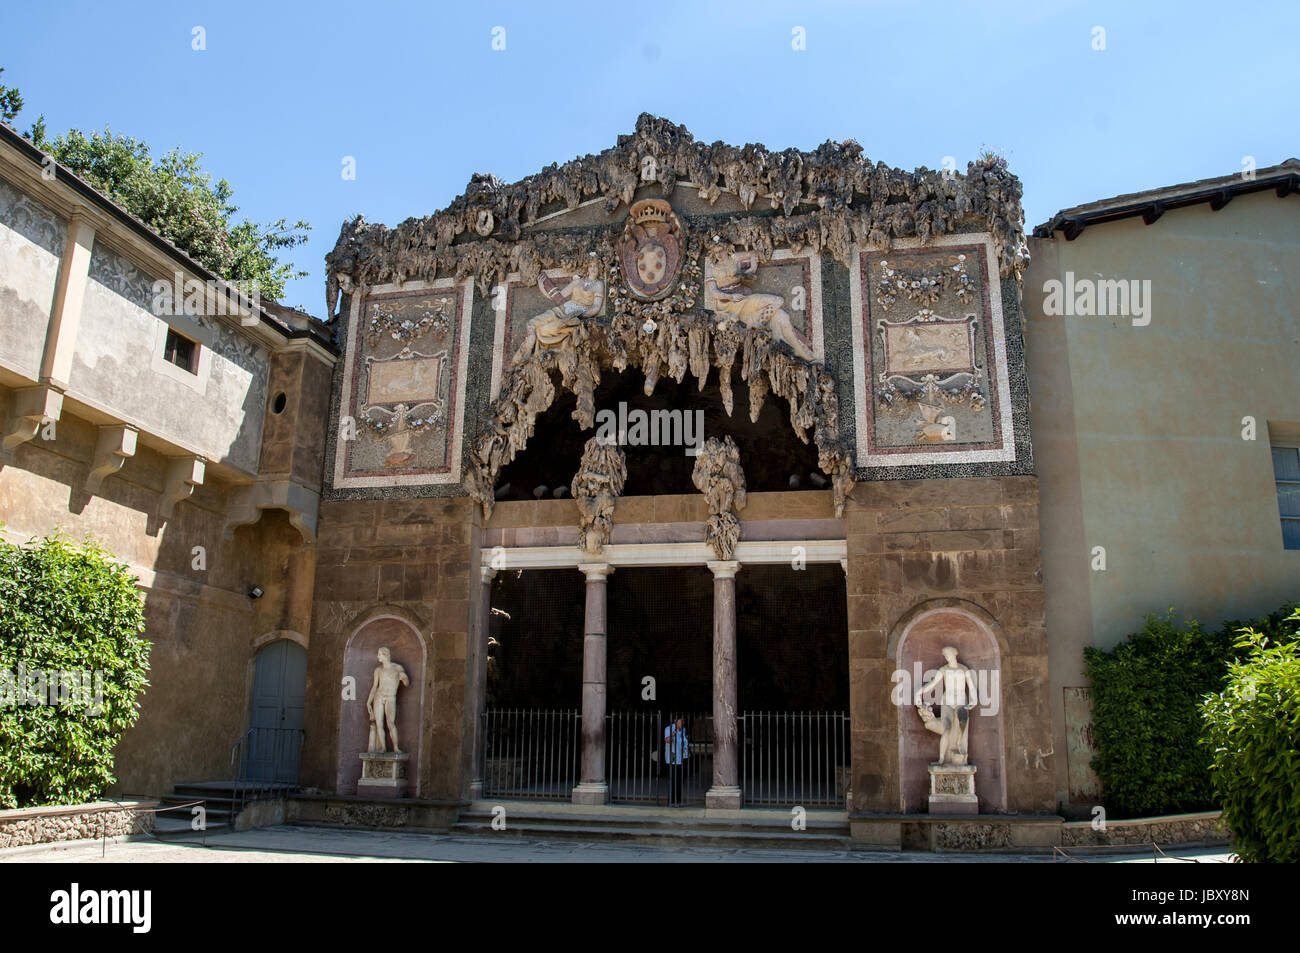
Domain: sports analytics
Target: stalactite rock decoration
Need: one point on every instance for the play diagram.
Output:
(528, 388)
(596, 487)
(718, 475)
(829, 200)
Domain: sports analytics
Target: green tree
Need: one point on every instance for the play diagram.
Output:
(177, 198)
(11, 102)
(72, 663)
(1253, 735)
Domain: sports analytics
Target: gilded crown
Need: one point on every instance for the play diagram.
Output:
(650, 210)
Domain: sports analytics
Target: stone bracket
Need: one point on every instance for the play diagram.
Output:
(183, 475)
(116, 443)
(300, 502)
(30, 409)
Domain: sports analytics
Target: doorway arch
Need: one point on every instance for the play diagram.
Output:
(273, 744)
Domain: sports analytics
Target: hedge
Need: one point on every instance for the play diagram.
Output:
(1147, 719)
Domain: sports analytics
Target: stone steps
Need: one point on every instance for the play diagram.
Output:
(216, 797)
(675, 827)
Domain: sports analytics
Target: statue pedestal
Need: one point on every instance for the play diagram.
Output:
(383, 774)
(952, 789)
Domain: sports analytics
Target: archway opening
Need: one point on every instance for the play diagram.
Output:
(770, 451)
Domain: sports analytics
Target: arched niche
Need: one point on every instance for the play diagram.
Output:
(916, 644)
(360, 662)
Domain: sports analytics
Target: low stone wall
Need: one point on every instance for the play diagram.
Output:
(43, 825)
(1177, 829)
(1010, 832)
(405, 814)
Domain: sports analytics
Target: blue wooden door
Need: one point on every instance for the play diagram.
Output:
(273, 747)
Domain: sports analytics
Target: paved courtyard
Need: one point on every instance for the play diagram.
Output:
(285, 845)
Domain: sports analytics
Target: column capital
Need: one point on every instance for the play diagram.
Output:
(844, 564)
(724, 568)
(595, 571)
(486, 573)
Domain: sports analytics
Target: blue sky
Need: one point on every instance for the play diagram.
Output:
(415, 92)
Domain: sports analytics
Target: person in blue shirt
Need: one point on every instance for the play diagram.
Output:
(676, 751)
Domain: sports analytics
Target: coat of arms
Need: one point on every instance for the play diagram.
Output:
(651, 249)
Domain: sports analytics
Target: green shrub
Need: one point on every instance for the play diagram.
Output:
(1253, 735)
(1146, 720)
(72, 662)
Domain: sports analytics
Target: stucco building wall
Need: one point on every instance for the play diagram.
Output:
(203, 487)
(1138, 430)
(31, 242)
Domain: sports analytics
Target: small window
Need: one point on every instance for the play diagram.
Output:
(181, 351)
(1286, 470)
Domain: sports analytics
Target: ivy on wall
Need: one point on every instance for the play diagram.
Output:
(73, 661)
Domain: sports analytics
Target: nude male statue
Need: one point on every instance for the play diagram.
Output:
(959, 696)
(382, 702)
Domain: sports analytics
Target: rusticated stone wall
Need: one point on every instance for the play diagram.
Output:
(409, 560)
(43, 825)
(967, 544)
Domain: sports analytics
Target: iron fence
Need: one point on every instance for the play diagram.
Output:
(787, 758)
(794, 758)
(638, 758)
(531, 753)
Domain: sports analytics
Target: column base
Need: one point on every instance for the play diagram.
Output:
(725, 796)
(586, 793)
(476, 789)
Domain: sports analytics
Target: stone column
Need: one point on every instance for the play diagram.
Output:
(478, 678)
(725, 792)
(593, 787)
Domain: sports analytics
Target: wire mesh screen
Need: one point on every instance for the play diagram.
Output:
(661, 629)
(792, 638)
(537, 624)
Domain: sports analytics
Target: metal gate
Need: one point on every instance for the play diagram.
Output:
(787, 758)
(794, 758)
(531, 753)
(637, 755)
